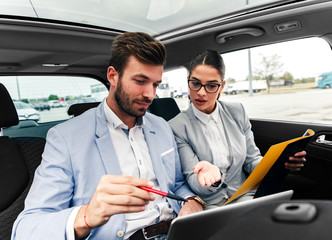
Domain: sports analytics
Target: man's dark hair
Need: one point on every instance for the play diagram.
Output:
(140, 45)
(209, 58)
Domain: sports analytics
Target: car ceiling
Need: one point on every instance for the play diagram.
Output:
(26, 44)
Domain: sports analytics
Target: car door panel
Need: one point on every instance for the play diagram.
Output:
(315, 179)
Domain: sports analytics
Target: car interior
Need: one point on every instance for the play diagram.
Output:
(20, 156)
(46, 46)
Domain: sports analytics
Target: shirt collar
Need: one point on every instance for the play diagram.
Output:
(115, 122)
(203, 117)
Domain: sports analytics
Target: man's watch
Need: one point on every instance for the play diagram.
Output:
(197, 199)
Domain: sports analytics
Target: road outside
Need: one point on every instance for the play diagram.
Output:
(54, 114)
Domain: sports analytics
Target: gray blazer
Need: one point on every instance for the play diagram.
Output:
(193, 147)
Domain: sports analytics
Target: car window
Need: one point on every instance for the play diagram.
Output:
(47, 98)
(177, 87)
(290, 81)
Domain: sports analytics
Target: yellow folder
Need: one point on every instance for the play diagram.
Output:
(269, 159)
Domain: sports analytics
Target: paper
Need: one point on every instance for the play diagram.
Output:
(269, 159)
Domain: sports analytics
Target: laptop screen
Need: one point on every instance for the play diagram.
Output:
(204, 224)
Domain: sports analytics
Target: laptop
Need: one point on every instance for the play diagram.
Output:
(203, 225)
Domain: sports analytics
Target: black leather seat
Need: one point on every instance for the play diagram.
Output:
(19, 158)
(166, 108)
(79, 108)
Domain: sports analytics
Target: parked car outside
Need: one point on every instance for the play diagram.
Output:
(41, 106)
(176, 93)
(26, 111)
(54, 103)
(63, 103)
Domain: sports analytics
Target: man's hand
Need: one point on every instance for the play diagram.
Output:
(207, 173)
(296, 162)
(190, 207)
(113, 195)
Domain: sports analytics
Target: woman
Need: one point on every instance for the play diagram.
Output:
(215, 141)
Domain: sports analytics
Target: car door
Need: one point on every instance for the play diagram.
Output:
(314, 180)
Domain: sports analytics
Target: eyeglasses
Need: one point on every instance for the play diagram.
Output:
(209, 87)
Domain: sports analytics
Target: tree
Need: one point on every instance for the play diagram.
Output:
(230, 80)
(254, 77)
(270, 68)
(288, 78)
(53, 97)
(305, 80)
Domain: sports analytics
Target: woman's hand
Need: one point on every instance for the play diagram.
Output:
(296, 162)
(207, 173)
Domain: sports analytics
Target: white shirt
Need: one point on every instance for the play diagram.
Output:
(134, 159)
(213, 129)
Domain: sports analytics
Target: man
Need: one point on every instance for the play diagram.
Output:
(88, 184)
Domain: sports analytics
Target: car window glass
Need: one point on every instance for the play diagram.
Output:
(176, 81)
(47, 98)
(290, 81)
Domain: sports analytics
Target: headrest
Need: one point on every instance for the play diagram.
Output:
(8, 113)
(79, 108)
(166, 108)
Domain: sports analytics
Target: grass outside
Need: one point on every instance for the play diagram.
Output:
(293, 87)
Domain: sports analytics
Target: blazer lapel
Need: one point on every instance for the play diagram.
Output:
(200, 140)
(104, 143)
(152, 138)
(228, 125)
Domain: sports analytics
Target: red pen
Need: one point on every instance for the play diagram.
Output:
(165, 194)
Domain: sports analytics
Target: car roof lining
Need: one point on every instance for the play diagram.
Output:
(25, 45)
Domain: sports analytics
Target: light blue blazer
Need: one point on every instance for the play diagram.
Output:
(193, 147)
(77, 153)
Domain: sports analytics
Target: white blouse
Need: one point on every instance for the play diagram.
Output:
(215, 134)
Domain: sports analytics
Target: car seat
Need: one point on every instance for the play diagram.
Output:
(79, 108)
(166, 108)
(19, 157)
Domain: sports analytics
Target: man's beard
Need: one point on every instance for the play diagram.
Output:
(123, 100)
